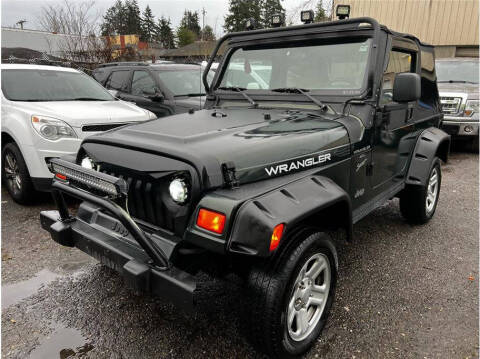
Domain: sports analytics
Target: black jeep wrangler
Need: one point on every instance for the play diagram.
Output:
(324, 123)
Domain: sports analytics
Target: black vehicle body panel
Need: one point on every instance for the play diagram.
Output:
(169, 105)
(263, 166)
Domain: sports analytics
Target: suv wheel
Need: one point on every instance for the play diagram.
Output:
(291, 298)
(418, 203)
(15, 174)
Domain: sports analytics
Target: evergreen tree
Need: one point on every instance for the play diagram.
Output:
(134, 21)
(185, 36)
(240, 11)
(114, 20)
(190, 21)
(165, 33)
(207, 34)
(149, 28)
(321, 13)
(270, 8)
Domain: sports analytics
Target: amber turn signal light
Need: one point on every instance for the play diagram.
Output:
(276, 236)
(211, 221)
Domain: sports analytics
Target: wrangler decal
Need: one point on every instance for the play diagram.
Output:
(295, 165)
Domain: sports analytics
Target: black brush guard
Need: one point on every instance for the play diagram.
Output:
(146, 268)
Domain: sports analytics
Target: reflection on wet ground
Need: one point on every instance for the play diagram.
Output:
(64, 343)
(14, 293)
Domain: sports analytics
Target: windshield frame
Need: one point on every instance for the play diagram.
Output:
(109, 96)
(316, 40)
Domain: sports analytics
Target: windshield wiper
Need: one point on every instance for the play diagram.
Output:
(191, 94)
(320, 104)
(458, 81)
(85, 99)
(240, 90)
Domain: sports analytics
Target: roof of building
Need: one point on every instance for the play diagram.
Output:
(198, 48)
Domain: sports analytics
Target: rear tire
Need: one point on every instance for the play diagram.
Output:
(15, 175)
(418, 203)
(291, 298)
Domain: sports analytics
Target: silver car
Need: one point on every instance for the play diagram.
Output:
(459, 95)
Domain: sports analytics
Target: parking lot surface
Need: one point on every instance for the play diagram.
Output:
(403, 291)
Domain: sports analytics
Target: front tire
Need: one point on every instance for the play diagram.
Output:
(292, 297)
(418, 203)
(15, 174)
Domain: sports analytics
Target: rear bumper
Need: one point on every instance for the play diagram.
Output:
(107, 239)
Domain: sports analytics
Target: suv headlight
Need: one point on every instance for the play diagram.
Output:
(151, 115)
(51, 128)
(471, 107)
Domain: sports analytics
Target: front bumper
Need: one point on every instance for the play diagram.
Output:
(117, 242)
(460, 126)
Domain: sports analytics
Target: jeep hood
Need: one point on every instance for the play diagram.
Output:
(470, 89)
(241, 138)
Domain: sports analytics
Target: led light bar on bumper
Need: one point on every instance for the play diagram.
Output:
(89, 178)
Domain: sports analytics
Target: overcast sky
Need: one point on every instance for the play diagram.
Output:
(15, 10)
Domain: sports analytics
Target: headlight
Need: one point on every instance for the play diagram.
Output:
(151, 115)
(51, 128)
(178, 190)
(87, 163)
(471, 107)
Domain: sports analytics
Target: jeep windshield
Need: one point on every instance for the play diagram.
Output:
(457, 71)
(51, 85)
(335, 69)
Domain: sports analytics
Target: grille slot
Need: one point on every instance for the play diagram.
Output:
(149, 201)
(450, 105)
(101, 127)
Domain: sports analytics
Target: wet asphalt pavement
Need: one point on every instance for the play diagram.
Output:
(403, 291)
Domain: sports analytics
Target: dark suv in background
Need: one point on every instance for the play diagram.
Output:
(165, 89)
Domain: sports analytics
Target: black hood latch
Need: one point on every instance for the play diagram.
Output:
(229, 175)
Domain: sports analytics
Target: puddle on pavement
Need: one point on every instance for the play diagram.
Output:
(63, 343)
(15, 292)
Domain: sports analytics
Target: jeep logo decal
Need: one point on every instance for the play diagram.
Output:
(296, 165)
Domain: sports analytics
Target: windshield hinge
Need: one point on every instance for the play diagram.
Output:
(229, 174)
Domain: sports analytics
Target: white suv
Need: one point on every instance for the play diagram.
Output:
(46, 112)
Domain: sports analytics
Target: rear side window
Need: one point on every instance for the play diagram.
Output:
(143, 84)
(398, 62)
(117, 80)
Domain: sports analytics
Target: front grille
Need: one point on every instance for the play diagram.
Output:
(102, 127)
(149, 199)
(450, 105)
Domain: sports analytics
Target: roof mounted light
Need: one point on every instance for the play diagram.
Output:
(278, 20)
(307, 16)
(250, 24)
(343, 12)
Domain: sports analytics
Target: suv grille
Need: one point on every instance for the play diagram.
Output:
(98, 128)
(450, 105)
(149, 200)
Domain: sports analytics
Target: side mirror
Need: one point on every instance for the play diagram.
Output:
(407, 87)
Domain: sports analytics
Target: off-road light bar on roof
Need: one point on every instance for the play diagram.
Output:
(343, 11)
(102, 182)
(278, 20)
(307, 16)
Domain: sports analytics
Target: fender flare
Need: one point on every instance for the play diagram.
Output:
(293, 204)
(432, 142)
